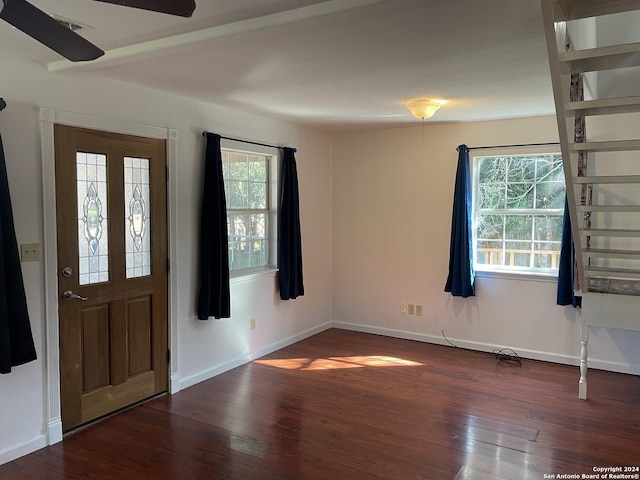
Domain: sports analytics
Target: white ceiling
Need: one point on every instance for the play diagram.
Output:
(326, 64)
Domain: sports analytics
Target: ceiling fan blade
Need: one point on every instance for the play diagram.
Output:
(181, 8)
(37, 24)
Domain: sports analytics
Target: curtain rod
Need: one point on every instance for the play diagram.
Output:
(514, 146)
(204, 134)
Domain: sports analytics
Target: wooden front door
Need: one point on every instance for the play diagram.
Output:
(112, 271)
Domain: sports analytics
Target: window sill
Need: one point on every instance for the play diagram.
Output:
(515, 275)
(252, 275)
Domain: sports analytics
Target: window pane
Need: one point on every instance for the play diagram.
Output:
(518, 227)
(258, 240)
(257, 195)
(549, 168)
(518, 254)
(237, 166)
(225, 165)
(491, 169)
(137, 217)
(492, 195)
(247, 240)
(489, 226)
(238, 226)
(236, 194)
(520, 195)
(257, 168)
(547, 255)
(489, 252)
(548, 227)
(521, 169)
(550, 195)
(93, 230)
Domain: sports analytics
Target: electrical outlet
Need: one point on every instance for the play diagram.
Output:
(30, 252)
(419, 310)
(252, 324)
(403, 308)
(412, 309)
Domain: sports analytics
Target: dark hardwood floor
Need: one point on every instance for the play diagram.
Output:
(346, 405)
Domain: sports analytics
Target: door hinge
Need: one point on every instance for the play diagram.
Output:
(168, 355)
(168, 264)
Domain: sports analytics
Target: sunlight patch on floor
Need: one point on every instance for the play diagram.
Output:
(333, 363)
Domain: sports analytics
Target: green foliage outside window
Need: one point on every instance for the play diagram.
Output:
(246, 188)
(519, 202)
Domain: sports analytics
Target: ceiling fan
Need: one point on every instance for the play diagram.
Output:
(45, 29)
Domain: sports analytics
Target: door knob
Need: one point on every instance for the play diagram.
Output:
(68, 295)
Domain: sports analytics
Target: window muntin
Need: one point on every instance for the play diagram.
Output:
(248, 194)
(517, 214)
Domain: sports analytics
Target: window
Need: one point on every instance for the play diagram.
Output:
(518, 209)
(248, 189)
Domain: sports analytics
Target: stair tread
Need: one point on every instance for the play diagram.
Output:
(614, 286)
(612, 273)
(610, 232)
(611, 253)
(602, 58)
(606, 146)
(605, 106)
(576, 9)
(608, 208)
(611, 270)
(608, 179)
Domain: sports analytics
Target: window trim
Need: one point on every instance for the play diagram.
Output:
(500, 270)
(273, 168)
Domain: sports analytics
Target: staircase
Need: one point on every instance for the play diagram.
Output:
(604, 192)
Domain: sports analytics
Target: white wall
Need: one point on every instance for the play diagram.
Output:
(392, 195)
(204, 347)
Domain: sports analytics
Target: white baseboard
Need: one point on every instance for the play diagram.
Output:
(54, 431)
(174, 383)
(291, 340)
(484, 347)
(16, 451)
(217, 370)
(213, 372)
(613, 366)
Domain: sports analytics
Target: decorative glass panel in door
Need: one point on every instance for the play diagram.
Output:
(137, 217)
(93, 231)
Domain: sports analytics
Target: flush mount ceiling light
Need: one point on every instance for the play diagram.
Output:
(423, 107)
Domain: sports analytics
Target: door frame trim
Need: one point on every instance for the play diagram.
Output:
(49, 117)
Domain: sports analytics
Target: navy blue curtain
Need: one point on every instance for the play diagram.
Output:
(214, 297)
(461, 278)
(567, 264)
(566, 272)
(289, 236)
(16, 340)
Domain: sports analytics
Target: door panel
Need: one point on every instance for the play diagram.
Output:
(111, 222)
(95, 326)
(140, 332)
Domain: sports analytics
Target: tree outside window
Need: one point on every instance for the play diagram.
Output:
(518, 209)
(246, 183)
